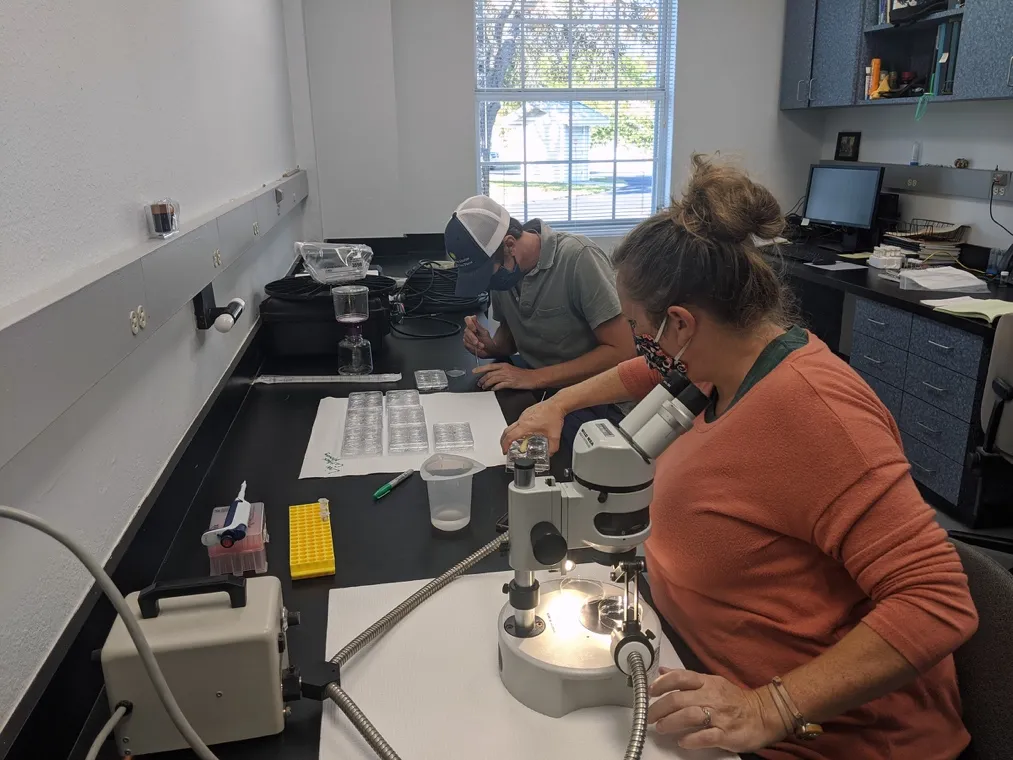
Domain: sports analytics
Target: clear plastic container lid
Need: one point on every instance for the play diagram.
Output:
(329, 263)
(403, 398)
(449, 467)
(365, 400)
(452, 436)
(431, 379)
(406, 415)
(404, 438)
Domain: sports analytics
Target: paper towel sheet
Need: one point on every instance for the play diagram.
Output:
(323, 452)
(431, 686)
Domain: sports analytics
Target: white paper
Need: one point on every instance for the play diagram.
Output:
(837, 266)
(950, 302)
(323, 452)
(431, 686)
(941, 278)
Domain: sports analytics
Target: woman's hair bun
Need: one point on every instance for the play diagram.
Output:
(723, 205)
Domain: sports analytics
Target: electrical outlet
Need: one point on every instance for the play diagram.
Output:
(1000, 179)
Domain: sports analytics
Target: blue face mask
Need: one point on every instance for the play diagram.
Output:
(505, 279)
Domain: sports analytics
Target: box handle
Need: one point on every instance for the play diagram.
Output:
(232, 585)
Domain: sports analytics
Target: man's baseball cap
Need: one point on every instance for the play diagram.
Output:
(473, 235)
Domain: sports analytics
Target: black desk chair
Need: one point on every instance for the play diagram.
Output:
(984, 665)
(993, 460)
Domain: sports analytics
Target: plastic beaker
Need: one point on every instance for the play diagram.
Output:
(449, 479)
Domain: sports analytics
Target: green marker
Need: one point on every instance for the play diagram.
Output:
(386, 488)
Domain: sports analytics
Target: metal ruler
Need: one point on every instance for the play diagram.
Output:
(391, 377)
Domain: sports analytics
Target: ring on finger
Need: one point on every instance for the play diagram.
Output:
(706, 717)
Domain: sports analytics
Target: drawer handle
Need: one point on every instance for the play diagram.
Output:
(922, 467)
(940, 345)
(932, 387)
(876, 322)
(874, 361)
(923, 425)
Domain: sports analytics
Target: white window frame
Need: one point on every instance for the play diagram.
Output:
(663, 94)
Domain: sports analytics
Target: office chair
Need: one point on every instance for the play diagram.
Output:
(984, 668)
(993, 459)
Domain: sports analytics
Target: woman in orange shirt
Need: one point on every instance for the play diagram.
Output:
(790, 547)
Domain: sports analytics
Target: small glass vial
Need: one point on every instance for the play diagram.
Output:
(163, 218)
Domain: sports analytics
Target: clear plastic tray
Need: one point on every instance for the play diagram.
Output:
(371, 418)
(452, 436)
(533, 447)
(364, 440)
(406, 415)
(365, 400)
(403, 438)
(431, 379)
(403, 398)
(333, 264)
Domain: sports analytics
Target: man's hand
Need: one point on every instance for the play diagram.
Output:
(478, 340)
(502, 375)
(710, 711)
(545, 419)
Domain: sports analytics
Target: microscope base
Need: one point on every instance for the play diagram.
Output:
(567, 666)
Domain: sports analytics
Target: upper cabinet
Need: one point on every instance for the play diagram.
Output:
(985, 61)
(835, 52)
(964, 50)
(822, 39)
(796, 64)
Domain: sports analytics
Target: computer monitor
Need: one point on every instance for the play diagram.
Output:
(845, 197)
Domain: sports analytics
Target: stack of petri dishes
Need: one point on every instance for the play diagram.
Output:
(453, 436)
(406, 423)
(431, 380)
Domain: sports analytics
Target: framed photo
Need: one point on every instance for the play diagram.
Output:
(847, 146)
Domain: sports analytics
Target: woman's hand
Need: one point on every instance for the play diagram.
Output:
(545, 418)
(710, 711)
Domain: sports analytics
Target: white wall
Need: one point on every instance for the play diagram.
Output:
(434, 79)
(981, 132)
(102, 107)
(392, 98)
(727, 75)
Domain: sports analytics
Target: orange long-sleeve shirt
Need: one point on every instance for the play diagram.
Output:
(782, 523)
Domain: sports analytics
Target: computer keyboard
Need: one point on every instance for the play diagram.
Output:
(808, 253)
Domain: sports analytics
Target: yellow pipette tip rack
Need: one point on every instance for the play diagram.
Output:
(310, 544)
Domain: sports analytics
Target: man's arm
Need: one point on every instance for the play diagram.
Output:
(615, 345)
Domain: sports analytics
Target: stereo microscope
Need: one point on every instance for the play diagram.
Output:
(565, 644)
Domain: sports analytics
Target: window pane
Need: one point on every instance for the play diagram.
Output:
(637, 120)
(634, 189)
(548, 191)
(505, 185)
(546, 130)
(498, 55)
(594, 9)
(594, 55)
(600, 115)
(638, 55)
(497, 8)
(641, 9)
(592, 191)
(500, 135)
(546, 56)
(547, 8)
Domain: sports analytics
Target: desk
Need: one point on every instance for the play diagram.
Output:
(927, 367)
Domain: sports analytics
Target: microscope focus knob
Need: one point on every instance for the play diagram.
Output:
(548, 544)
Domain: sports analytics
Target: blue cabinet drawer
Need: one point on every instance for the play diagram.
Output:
(942, 431)
(941, 387)
(886, 323)
(947, 346)
(891, 397)
(878, 359)
(929, 467)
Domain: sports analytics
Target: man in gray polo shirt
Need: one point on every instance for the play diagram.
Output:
(553, 293)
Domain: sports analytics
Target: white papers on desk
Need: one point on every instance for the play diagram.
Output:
(431, 686)
(837, 266)
(941, 278)
(323, 452)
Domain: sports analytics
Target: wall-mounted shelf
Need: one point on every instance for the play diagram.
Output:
(906, 101)
(945, 181)
(933, 19)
